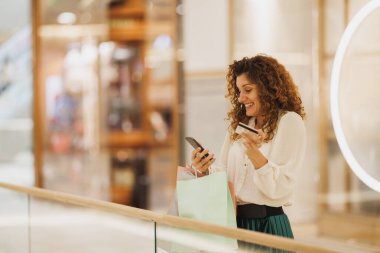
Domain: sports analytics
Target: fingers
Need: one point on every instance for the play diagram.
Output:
(257, 138)
(251, 136)
(195, 152)
(197, 156)
(252, 140)
(261, 133)
(202, 160)
(206, 163)
(203, 154)
(206, 159)
(209, 162)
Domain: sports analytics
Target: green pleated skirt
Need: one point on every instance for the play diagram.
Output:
(278, 225)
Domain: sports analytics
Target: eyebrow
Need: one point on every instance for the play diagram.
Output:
(245, 85)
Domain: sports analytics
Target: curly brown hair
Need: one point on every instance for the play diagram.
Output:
(277, 92)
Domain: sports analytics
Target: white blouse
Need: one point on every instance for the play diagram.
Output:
(274, 183)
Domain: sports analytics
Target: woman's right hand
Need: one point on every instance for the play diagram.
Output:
(200, 162)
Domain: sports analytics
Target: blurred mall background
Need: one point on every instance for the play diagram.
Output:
(96, 97)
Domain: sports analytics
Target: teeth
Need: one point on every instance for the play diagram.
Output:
(248, 105)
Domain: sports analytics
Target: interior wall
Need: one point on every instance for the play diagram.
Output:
(206, 42)
(206, 50)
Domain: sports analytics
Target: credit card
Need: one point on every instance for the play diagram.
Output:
(243, 127)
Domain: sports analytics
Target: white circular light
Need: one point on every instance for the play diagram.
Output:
(334, 98)
(66, 18)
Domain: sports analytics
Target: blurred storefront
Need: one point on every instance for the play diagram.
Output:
(108, 92)
(104, 111)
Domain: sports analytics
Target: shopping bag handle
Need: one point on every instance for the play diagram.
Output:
(196, 171)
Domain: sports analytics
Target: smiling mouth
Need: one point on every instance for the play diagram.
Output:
(248, 105)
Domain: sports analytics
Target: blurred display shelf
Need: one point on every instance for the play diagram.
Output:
(155, 29)
(120, 195)
(95, 81)
(66, 87)
(127, 21)
(150, 27)
(163, 82)
(135, 33)
(137, 139)
(160, 105)
(73, 31)
(167, 142)
(137, 11)
(132, 139)
(159, 100)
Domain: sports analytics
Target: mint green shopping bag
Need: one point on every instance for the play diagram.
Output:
(208, 199)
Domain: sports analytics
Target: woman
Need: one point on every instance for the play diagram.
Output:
(263, 166)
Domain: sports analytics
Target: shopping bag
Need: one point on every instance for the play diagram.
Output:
(187, 173)
(208, 199)
(233, 197)
(183, 173)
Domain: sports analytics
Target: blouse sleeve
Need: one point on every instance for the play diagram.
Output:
(277, 178)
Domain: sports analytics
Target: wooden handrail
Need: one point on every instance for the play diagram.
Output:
(179, 222)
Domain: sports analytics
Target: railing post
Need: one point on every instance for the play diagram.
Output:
(29, 227)
(155, 237)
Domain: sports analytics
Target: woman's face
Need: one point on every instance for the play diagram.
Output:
(249, 96)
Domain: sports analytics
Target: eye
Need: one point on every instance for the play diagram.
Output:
(247, 90)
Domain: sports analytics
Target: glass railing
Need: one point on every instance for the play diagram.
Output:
(172, 239)
(37, 221)
(81, 229)
(14, 221)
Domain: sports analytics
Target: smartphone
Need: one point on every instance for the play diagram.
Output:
(241, 127)
(193, 142)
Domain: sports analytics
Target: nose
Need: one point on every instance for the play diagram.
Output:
(241, 98)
